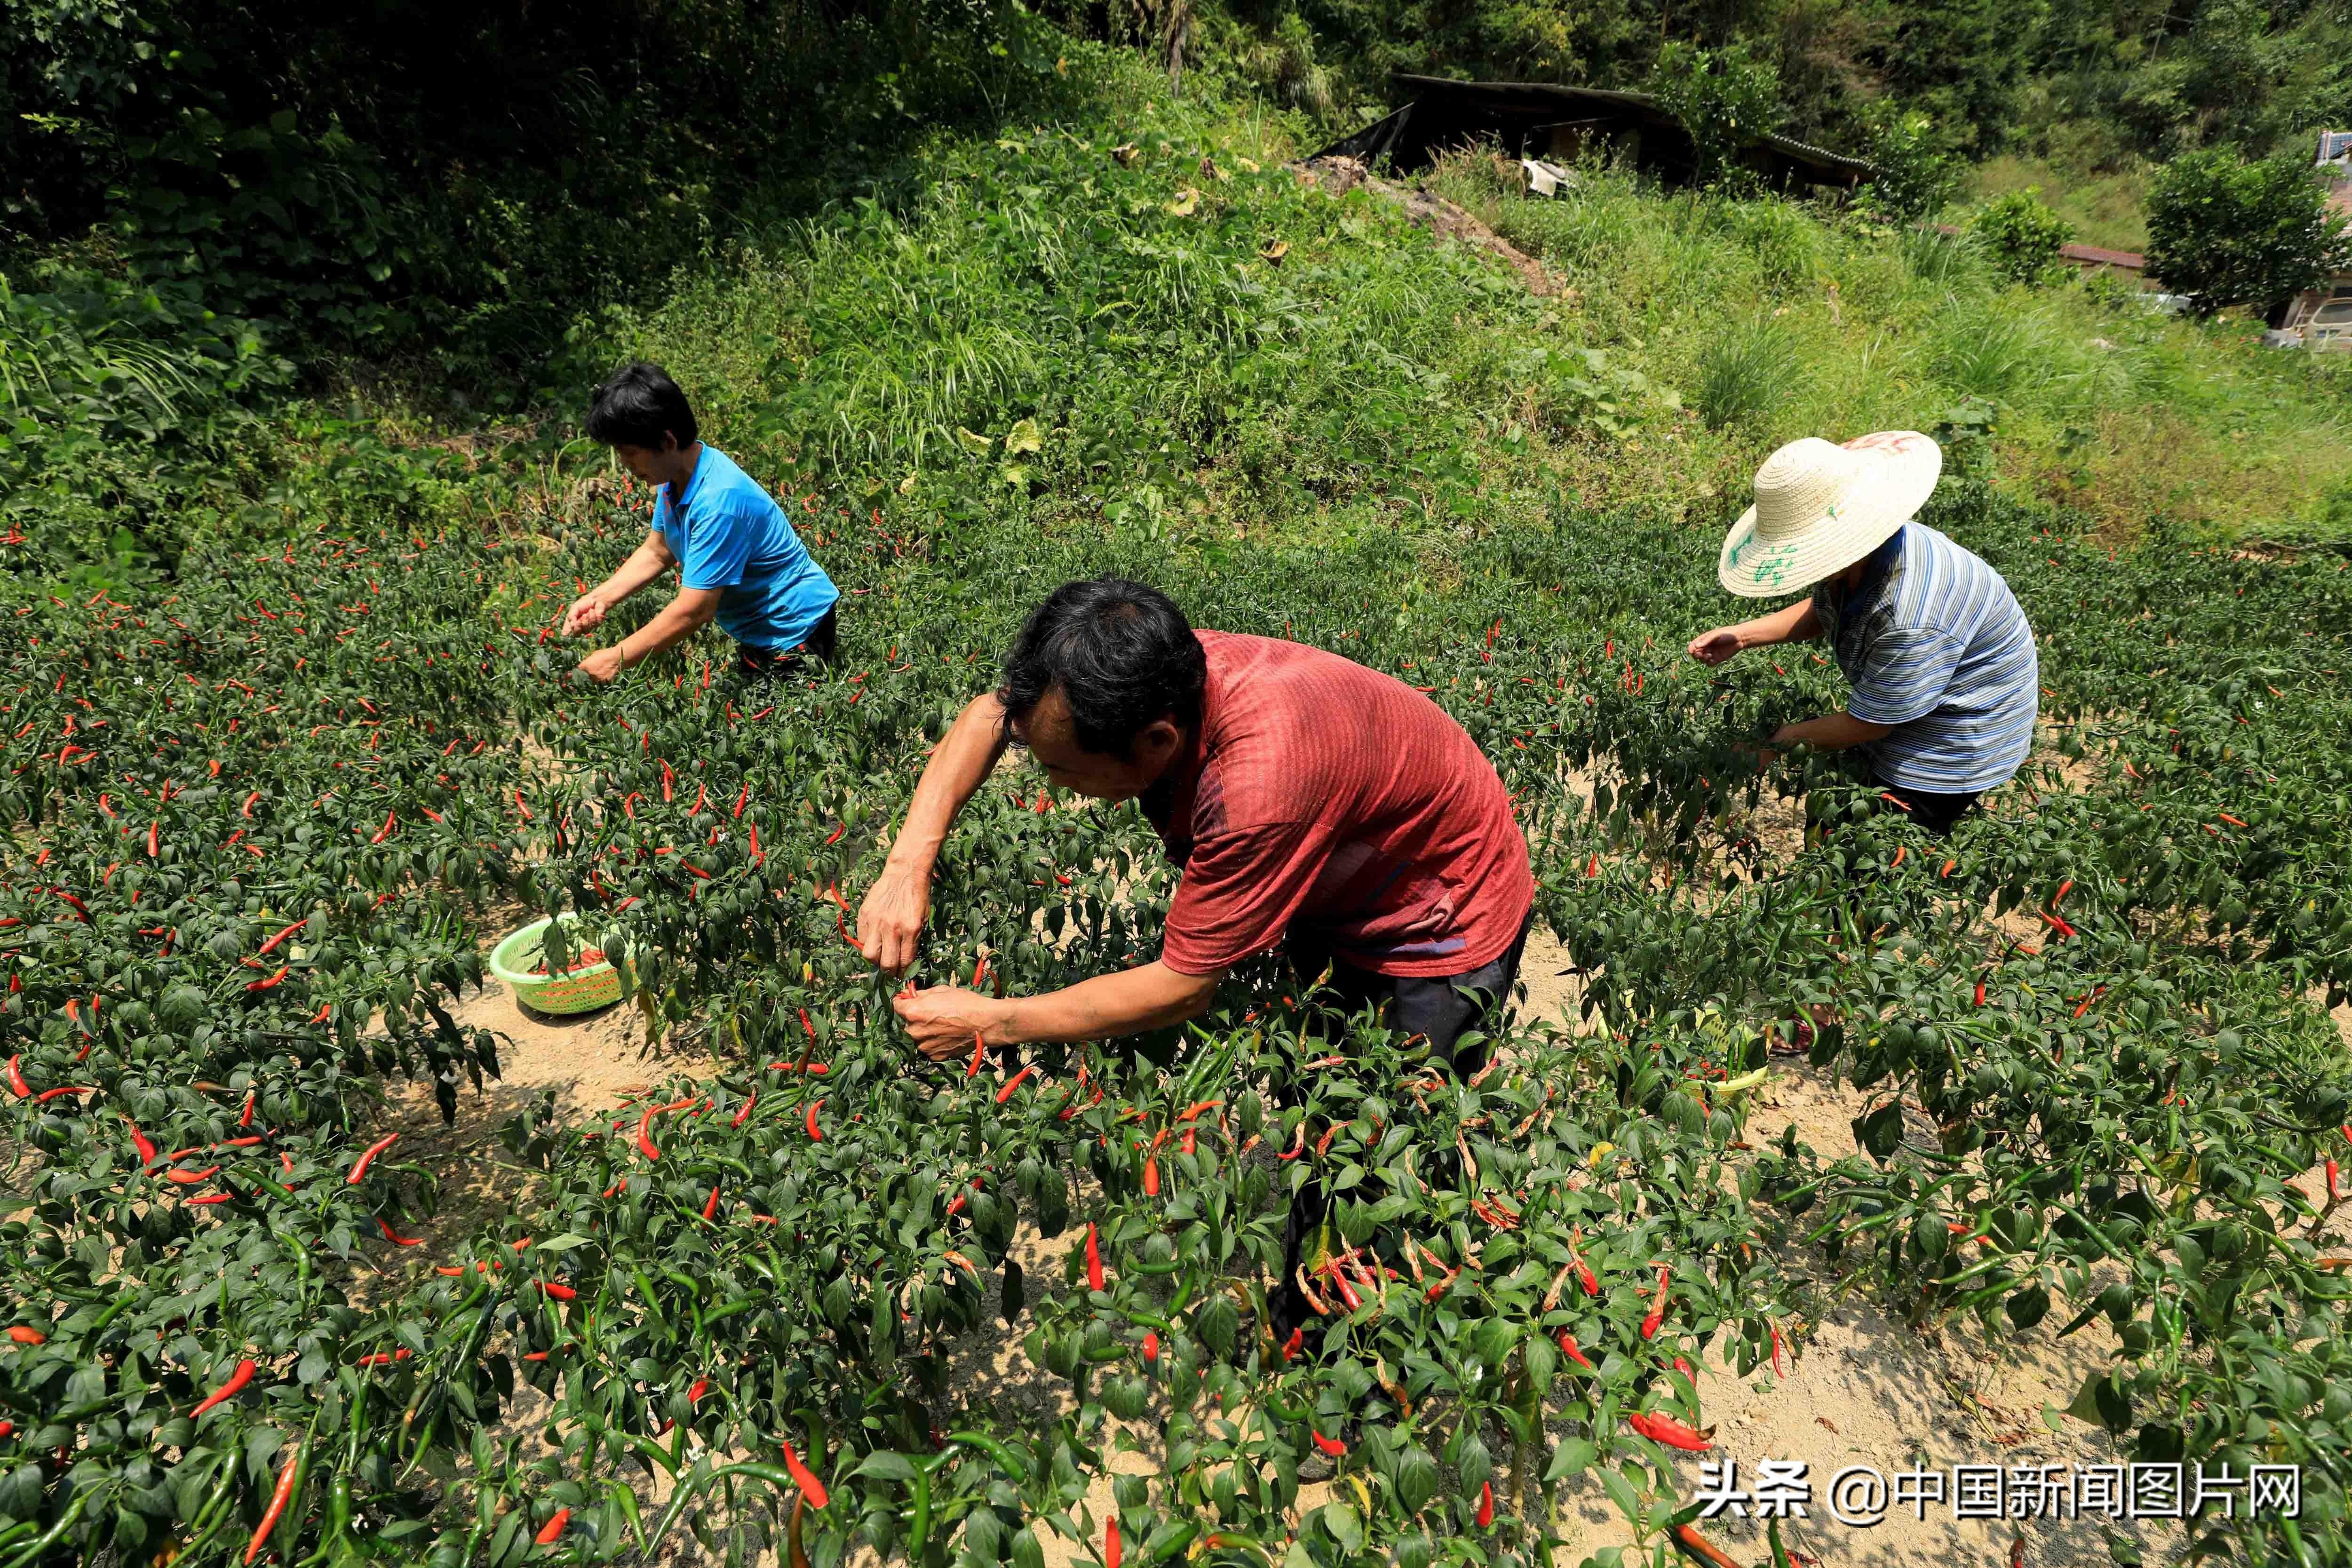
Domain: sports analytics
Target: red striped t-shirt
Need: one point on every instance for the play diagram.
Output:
(1333, 804)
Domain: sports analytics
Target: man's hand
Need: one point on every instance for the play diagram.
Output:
(890, 919)
(943, 1020)
(1717, 647)
(586, 613)
(603, 666)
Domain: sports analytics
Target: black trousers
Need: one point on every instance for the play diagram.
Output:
(822, 644)
(1442, 1008)
(1934, 814)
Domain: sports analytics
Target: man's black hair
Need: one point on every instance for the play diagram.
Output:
(1122, 653)
(636, 405)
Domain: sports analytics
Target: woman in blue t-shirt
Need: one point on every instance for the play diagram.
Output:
(739, 561)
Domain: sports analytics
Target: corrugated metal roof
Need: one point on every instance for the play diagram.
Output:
(2334, 144)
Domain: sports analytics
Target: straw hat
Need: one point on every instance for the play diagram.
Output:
(1819, 508)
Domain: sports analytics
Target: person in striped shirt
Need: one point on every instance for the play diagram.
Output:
(1942, 662)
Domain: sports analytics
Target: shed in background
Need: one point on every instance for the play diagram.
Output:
(1560, 124)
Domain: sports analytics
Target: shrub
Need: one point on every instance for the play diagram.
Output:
(2225, 231)
(1912, 176)
(2021, 238)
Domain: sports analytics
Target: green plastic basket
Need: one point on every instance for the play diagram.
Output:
(582, 991)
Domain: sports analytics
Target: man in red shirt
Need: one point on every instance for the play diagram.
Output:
(1312, 803)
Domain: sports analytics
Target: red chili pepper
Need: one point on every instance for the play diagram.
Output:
(1658, 1311)
(16, 1084)
(154, 840)
(360, 1166)
(1110, 1542)
(1947, 869)
(2331, 1180)
(803, 1477)
(270, 946)
(645, 1137)
(140, 1142)
(1667, 1430)
(1015, 1082)
(2233, 820)
(1298, 1146)
(395, 1238)
(711, 1204)
(1775, 1329)
(1485, 1504)
(1150, 1347)
(1094, 1260)
(1152, 1176)
(19, 1334)
(1568, 1348)
(552, 1530)
(1436, 1292)
(48, 1095)
(1291, 1346)
(270, 983)
(229, 1390)
(2062, 890)
(278, 1501)
(666, 783)
(1331, 1446)
(391, 819)
(191, 1178)
(743, 800)
(746, 1110)
(815, 1135)
(978, 1046)
(694, 1394)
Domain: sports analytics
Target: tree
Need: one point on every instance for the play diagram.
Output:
(2226, 231)
(1723, 98)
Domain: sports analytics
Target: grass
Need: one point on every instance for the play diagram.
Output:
(2105, 209)
(1781, 322)
(1202, 339)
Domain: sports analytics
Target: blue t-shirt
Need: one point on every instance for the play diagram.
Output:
(1935, 645)
(734, 537)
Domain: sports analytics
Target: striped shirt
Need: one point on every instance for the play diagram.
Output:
(1933, 644)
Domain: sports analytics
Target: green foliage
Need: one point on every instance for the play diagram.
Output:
(2159, 81)
(2225, 231)
(1724, 98)
(2020, 238)
(264, 817)
(1748, 373)
(122, 407)
(358, 187)
(1912, 175)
